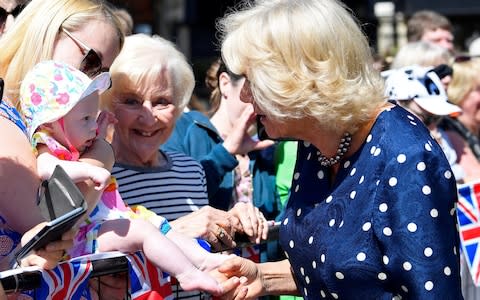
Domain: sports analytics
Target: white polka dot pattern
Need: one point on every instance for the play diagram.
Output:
(393, 191)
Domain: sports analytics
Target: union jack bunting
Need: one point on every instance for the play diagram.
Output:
(69, 280)
(66, 281)
(250, 252)
(468, 219)
(147, 281)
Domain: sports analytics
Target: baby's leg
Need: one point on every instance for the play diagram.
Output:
(200, 257)
(132, 235)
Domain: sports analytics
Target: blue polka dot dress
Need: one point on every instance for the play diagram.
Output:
(385, 228)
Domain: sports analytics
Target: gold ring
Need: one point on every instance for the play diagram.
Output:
(220, 233)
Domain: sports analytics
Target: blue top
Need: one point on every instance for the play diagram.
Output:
(196, 136)
(385, 227)
(9, 238)
(13, 115)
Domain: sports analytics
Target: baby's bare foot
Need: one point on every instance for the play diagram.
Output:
(194, 279)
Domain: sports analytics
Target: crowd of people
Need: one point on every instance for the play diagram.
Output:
(359, 167)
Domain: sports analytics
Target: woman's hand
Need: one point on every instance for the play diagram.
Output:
(48, 257)
(216, 226)
(252, 221)
(239, 140)
(250, 279)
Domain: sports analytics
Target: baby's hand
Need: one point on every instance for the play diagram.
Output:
(100, 176)
(104, 119)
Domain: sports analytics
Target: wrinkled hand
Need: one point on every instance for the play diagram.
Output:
(216, 226)
(104, 120)
(252, 221)
(239, 140)
(99, 176)
(48, 257)
(240, 278)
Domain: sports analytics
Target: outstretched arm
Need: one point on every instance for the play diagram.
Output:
(78, 171)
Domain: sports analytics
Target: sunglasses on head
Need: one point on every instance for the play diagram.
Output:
(464, 58)
(4, 13)
(91, 63)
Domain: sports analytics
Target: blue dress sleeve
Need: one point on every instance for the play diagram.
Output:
(413, 217)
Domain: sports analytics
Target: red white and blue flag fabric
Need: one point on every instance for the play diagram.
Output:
(66, 281)
(250, 252)
(147, 281)
(69, 280)
(468, 212)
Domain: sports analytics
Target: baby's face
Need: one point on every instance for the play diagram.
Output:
(80, 124)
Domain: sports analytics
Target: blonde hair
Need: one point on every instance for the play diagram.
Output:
(306, 58)
(35, 32)
(420, 53)
(465, 78)
(143, 57)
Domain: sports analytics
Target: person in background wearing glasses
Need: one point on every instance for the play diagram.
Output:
(9, 10)
(430, 26)
(38, 34)
(370, 210)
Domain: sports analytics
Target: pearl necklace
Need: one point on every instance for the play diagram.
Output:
(341, 150)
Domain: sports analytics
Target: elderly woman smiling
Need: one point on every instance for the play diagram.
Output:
(152, 83)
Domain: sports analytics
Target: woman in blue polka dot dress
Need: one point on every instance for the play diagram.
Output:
(371, 213)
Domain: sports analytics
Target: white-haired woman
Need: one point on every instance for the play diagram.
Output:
(371, 213)
(152, 83)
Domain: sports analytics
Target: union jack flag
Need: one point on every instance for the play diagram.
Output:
(69, 280)
(66, 281)
(147, 281)
(468, 219)
(250, 252)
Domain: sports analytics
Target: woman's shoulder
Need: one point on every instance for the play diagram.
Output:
(190, 126)
(181, 159)
(397, 129)
(13, 115)
(14, 140)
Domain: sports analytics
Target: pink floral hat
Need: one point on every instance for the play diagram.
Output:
(51, 89)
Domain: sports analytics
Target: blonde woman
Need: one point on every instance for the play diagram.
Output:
(83, 33)
(369, 215)
(464, 130)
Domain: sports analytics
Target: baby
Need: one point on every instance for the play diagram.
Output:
(60, 104)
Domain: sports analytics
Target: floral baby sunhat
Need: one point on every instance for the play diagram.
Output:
(51, 89)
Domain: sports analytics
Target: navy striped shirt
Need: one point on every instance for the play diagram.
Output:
(173, 190)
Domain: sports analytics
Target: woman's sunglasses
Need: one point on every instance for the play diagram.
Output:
(4, 13)
(464, 58)
(91, 63)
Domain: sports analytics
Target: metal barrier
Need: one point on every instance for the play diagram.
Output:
(30, 278)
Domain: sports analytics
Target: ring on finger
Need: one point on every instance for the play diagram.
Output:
(220, 233)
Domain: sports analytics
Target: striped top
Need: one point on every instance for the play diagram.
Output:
(173, 190)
